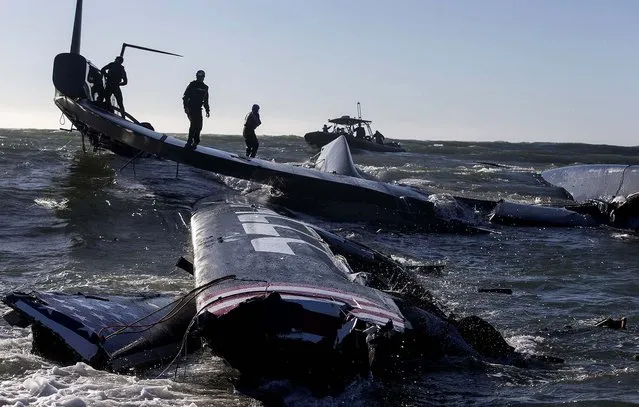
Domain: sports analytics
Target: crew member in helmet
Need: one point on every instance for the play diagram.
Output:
(195, 96)
(115, 76)
(251, 123)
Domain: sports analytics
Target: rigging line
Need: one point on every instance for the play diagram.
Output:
(179, 304)
(183, 344)
(131, 160)
(65, 144)
(172, 313)
(623, 176)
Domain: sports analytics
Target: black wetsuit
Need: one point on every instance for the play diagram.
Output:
(97, 86)
(252, 121)
(195, 96)
(115, 76)
(360, 132)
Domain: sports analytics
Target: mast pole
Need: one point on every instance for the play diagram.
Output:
(77, 28)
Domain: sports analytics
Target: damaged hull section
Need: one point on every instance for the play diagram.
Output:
(271, 297)
(275, 297)
(293, 308)
(114, 333)
(518, 214)
(595, 181)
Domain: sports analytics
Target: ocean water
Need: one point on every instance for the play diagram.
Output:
(97, 223)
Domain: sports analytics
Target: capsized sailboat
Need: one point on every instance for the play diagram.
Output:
(352, 197)
(337, 190)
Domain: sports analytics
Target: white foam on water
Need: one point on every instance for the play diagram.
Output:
(403, 260)
(415, 182)
(51, 203)
(449, 208)
(488, 170)
(80, 385)
(525, 343)
(29, 380)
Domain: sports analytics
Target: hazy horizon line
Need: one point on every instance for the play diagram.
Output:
(409, 140)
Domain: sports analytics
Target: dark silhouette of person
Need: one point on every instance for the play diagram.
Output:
(115, 76)
(97, 86)
(379, 137)
(195, 96)
(326, 128)
(251, 123)
(360, 132)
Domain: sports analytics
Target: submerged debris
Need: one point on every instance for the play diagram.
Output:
(495, 290)
(613, 323)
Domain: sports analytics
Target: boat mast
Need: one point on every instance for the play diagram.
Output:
(366, 124)
(77, 28)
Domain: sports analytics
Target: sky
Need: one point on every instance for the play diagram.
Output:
(469, 70)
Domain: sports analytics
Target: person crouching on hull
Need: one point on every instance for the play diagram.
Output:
(251, 123)
(195, 96)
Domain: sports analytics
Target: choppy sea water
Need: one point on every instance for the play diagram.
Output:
(97, 223)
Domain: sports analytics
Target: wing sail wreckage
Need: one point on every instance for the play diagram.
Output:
(275, 297)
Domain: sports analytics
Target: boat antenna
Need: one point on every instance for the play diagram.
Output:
(77, 28)
(359, 111)
(124, 45)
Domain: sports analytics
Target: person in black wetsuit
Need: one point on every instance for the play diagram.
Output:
(251, 123)
(97, 86)
(195, 96)
(115, 76)
(360, 132)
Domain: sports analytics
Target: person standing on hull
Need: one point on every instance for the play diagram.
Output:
(115, 76)
(195, 96)
(251, 123)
